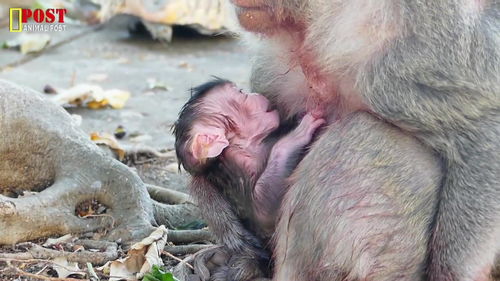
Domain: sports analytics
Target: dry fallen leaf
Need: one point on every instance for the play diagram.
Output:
(172, 168)
(140, 258)
(116, 98)
(155, 84)
(89, 207)
(123, 60)
(109, 140)
(92, 96)
(64, 268)
(29, 42)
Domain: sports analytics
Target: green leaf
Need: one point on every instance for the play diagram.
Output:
(158, 274)
(170, 277)
(149, 277)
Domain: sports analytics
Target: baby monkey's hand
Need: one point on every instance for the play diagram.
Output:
(303, 134)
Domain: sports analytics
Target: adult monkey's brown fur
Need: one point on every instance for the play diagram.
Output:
(430, 67)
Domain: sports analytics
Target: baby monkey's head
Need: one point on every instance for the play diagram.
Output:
(219, 115)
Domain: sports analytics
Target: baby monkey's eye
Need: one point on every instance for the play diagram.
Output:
(241, 91)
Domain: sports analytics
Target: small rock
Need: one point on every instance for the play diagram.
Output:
(49, 89)
(120, 132)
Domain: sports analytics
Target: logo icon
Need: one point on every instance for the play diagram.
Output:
(15, 21)
(42, 20)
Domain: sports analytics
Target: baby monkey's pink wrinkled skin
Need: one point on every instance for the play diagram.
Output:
(236, 132)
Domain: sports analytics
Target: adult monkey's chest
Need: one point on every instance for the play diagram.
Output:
(329, 49)
(330, 94)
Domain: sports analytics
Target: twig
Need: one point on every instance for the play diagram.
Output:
(134, 150)
(96, 244)
(186, 249)
(177, 259)
(91, 272)
(46, 262)
(24, 256)
(41, 270)
(168, 196)
(142, 162)
(38, 252)
(73, 79)
(26, 260)
(40, 277)
(183, 269)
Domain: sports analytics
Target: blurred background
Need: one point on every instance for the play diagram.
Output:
(124, 68)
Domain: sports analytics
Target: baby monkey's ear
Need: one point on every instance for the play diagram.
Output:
(208, 145)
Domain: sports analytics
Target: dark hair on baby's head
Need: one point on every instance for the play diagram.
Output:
(188, 114)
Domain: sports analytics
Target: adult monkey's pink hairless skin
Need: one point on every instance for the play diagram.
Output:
(430, 68)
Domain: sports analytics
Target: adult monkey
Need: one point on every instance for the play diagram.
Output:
(430, 67)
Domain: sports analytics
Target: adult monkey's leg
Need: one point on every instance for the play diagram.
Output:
(361, 206)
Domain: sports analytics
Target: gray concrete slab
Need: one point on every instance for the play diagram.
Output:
(8, 56)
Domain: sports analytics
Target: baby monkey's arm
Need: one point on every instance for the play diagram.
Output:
(284, 157)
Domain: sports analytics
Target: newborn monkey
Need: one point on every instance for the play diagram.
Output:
(232, 139)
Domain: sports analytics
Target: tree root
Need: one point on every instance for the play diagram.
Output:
(42, 150)
(168, 196)
(186, 249)
(52, 211)
(174, 216)
(190, 236)
(143, 149)
(134, 152)
(38, 252)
